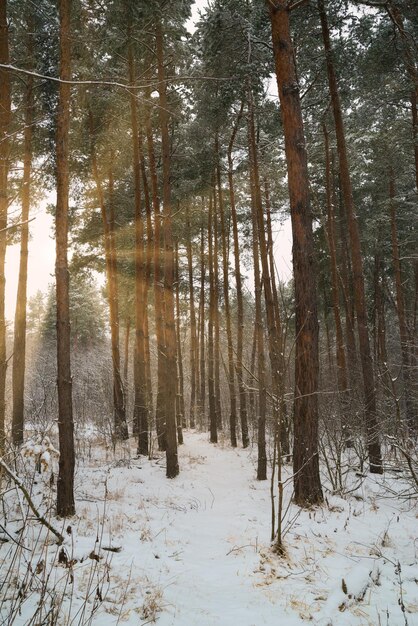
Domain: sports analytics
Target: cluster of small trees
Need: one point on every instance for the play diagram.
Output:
(176, 161)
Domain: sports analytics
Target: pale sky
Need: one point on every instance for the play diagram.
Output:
(42, 246)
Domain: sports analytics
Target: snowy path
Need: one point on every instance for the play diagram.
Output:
(195, 550)
(202, 541)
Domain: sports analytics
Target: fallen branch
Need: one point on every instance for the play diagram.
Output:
(29, 500)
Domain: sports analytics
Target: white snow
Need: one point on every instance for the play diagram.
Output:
(195, 551)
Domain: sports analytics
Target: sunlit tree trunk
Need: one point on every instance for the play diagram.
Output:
(112, 289)
(5, 106)
(19, 343)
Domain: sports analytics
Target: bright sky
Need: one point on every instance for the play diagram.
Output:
(42, 246)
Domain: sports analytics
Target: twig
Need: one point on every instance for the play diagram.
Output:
(29, 500)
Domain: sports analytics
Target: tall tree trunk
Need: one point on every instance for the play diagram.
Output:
(170, 330)
(342, 378)
(140, 398)
(126, 350)
(5, 111)
(273, 322)
(411, 417)
(193, 339)
(281, 404)
(216, 325)
(213, 422)
(238, 286)
(202, 359)
(259, 330)
(307, 481)
(375, 457)
(119, 391)
(180, 377)
(19, 343)
(231, 366)
(112, 290)
(148, 268)
(347, 289)
(65, 484)
(158, 283)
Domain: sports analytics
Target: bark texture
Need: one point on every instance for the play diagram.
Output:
(305, 451)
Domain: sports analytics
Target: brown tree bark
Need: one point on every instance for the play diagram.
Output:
(126, 351)
(213, 421)
(373, 443)
(259, 330)
(140, 417)
(170, 331)
(112, 291)
(193, 336)
(231, 365)
(305, 451)
(342, 377)
(19, 342)
(180, 377)
(65, 483)
(216, 325)
(5, 112)
(158, 282)
(281, 404)
(202, 359)
(411, 417)
(238, 286)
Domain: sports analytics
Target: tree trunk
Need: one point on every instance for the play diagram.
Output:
(411, 417)
(158, 284)
(213, 422)
(217, 332)
(261, 365)
(238, 285)
(375, 457)
(307, 482)
(19, 343)
(273, 322)
(5, 112)
(112, 292)
(180, 377)
(283, 419)
(342, 378)
(193, 339)
(126, 356)
(65, 484)
(140, 399)
(170, 331)
(202, 365)
(231, 366)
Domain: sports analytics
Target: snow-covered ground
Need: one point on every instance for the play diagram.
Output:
(195, 551)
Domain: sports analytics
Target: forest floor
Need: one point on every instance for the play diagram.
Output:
(195, 551)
